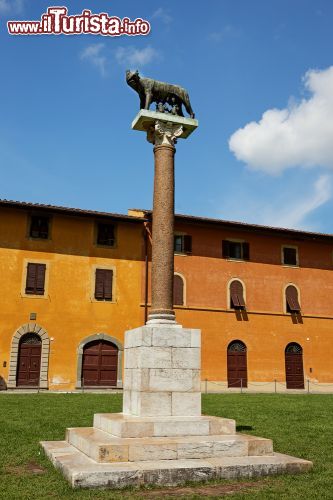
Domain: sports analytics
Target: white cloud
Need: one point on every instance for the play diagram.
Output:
(285, 207)
(163, 15)
(216, 36)
(4, 6)
(299, 135)
(94, 54)
(11, 6)
(132, 57)
(225, 32)
(296, 213)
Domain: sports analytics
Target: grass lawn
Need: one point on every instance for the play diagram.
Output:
(300, 425)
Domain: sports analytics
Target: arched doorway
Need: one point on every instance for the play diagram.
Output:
(294, 366)
(100, 364)
(237, 364)
(29, 361)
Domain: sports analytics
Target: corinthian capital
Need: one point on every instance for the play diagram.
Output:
(164, 133)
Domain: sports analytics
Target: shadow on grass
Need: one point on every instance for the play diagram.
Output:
(240, 428)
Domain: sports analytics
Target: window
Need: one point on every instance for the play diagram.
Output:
(236, 295)
(235, 250)
(292, 303)
(35, 283)
(178, 290)
(183, 243)
(294, 348)
(39, 227)
(289, 256)
(105, 234)
(103, 284)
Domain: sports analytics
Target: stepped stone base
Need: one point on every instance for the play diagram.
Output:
(123, 450)
(104, 448)
(127, 426)
(82, 471)
(161, 436)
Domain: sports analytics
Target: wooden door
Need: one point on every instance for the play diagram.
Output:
(29, 359)
(294, 366)
(237, 364)
(100, 364)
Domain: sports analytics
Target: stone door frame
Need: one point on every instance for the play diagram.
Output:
(14, 351)
(107, 338)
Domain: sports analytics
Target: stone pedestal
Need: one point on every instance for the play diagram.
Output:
(161, 437)
(162, 372)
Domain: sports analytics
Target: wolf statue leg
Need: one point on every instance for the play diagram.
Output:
(149, 100)
(188, 107)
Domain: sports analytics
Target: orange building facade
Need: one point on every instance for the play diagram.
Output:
(73, 281)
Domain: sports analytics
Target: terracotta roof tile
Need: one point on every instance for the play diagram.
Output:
(68, 210)
(244, 226)
(234, 225)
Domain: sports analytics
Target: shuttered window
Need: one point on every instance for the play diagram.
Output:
(236, 295)
(235, 250)
(103, 284)
(39, 227)
(105, 234)
(292, 303)
(183, 243)
(35, 284)
(178, 291)
(187, 243)
(178, 244)
(289, 256)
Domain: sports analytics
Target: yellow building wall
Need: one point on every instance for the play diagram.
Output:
(68, 311)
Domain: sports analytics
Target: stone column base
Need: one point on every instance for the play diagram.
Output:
(161, 319)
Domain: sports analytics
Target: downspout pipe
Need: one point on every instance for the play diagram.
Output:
(146, 238)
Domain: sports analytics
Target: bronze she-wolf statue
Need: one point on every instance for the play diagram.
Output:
(164, 94)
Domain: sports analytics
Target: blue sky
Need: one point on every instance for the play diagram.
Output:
(65, 110)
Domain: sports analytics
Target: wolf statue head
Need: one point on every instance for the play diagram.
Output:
(132, 78)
